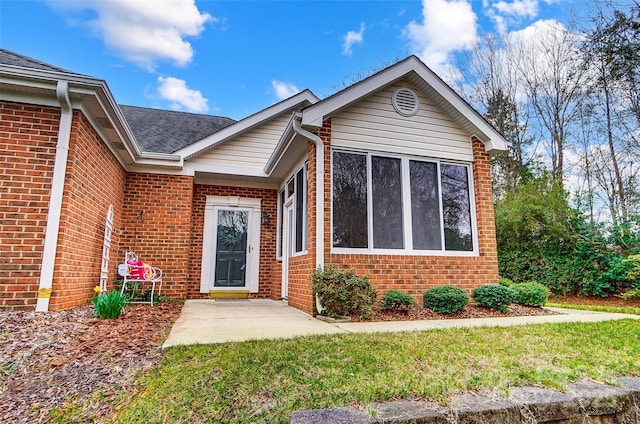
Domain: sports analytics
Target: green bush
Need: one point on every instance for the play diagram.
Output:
(495, 297)
(507, 282)
(531, 294)
(110, 305)
(343, 293)
(632, 294)
(445, 300)
(395, 299)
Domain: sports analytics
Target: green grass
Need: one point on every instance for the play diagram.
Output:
(598, 308)
(266, 381)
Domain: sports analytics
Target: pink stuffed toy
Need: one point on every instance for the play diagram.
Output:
(137, 273)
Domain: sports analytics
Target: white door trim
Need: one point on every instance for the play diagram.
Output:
(287, 245)
(208, 240)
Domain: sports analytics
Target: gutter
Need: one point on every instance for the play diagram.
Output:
(55, 202)
(319, 186)
(319, 193)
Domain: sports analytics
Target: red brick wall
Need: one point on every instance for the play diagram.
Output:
(301, 267)
(94, 180)
(156, 224)
(269, 284)
(28, 137)
(412, 274)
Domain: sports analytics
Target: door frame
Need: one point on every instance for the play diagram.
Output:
(212, 205)
(288, 231)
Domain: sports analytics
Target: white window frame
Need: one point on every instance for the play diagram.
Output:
(406, 208)
(304, 166)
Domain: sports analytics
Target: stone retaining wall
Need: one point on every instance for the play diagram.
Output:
(586, 402)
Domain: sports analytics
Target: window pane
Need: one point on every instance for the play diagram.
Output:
(456, 207)
(349, 200)
(386, 185)
(300, 210)
(425, 206)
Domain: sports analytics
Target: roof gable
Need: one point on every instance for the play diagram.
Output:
(295, 102)
(428, 83)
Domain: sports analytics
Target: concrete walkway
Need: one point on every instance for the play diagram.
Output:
(222, 321)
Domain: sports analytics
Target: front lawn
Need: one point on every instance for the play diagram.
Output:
(267, 380)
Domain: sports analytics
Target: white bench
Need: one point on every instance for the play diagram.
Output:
(136, 275)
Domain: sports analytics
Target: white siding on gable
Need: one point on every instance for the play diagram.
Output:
(374, 125)
(249, 150)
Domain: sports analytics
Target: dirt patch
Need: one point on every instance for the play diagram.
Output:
(69, 358)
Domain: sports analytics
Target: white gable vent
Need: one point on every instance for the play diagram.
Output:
(405, 102)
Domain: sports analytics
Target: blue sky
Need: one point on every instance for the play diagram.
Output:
(234, 58)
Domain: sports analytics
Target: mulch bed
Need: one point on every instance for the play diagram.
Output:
(51, 360)
(418, 312)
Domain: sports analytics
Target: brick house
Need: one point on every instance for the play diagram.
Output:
(402, 163)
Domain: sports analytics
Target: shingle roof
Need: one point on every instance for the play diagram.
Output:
(14, 59)
(166, 131)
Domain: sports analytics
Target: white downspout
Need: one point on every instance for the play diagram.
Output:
(319, 193)
(55, 199)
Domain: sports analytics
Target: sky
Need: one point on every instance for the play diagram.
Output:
(235, 58)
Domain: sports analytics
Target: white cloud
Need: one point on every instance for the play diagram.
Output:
(506, 13)
(351, 38)
(448, 26)
(181, 96)
(143, 32)
(520, 8)
(284, 90)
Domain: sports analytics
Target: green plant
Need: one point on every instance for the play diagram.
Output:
(632, 294)
(495, 297)
(530, 294)
(110, 305)
(343, 293)
(445, 300)
(395, 299)
(507, 282)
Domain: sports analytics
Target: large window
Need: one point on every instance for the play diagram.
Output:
(384, 203)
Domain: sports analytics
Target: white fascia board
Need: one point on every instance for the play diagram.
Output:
(314, 115)
(98, 89)
(242, 171)
(494, 141)
(282, 145)
(304, 98)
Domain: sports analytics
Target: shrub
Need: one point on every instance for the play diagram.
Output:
(632, 294)
(395, 299)
(343, 293)
(495, 297)
(445, 300)
(530, 294)
(110, 305)
(507, 282)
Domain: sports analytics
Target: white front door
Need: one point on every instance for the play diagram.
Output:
(287, 246)
(231, 244)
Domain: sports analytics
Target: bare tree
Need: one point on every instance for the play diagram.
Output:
(551, 70)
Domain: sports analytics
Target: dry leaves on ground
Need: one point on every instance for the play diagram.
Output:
(58, 359)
